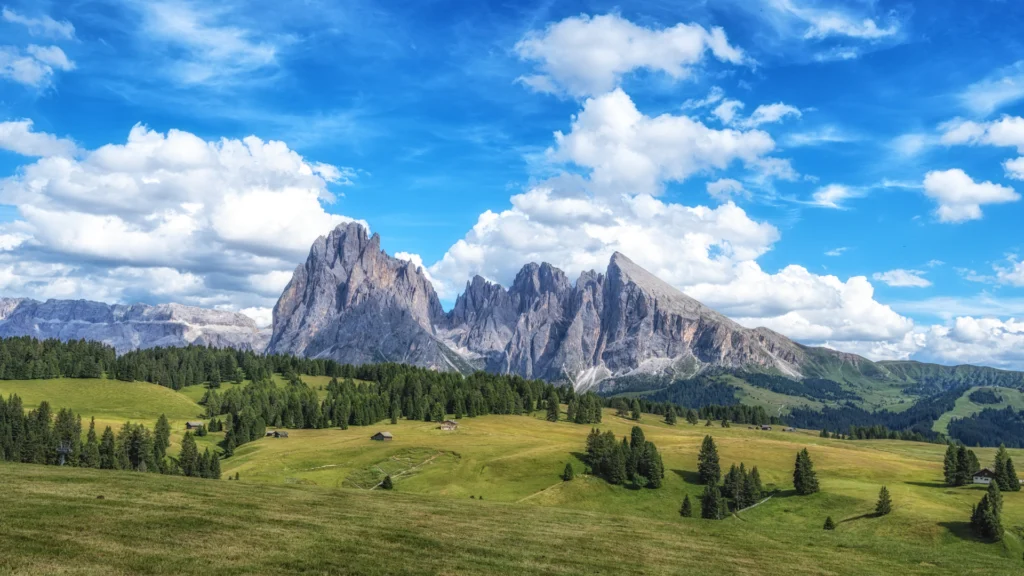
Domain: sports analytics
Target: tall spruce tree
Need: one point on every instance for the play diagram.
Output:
(884, 504)
(1011, 476)
(805, 480)
(91, 452)
(108, 450)
(707, 462)
(188, 458)
(161, 438)
(711, 503)
(634, 410)
(986, 518)
(949, 465)
(686, 510)
(215, 466)
(553, 407)
(670, 416)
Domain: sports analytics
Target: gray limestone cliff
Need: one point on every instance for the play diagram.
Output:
(129, 327)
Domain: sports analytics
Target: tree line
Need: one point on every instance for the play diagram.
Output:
(26, 358)
(41, 437)
(635, 461)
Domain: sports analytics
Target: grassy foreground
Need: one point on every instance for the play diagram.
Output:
(53, 523)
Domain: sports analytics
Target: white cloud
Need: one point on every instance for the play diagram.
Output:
(836, 251)
(17, 136)
(35, 67)
(205, 46)
(726, 188)
(824, 135)
(966, 339)
(837, 53)
(909, 145)
(903, 278)
(834, 196)
(1007, 131)
(806, 19)
(960, 198)
(263, 316)
(43, 25)
(1004, 87)
(727, 110)
(417, 261)
(771, 113)
(627, 152)
(1015, 168)
(715, 95)
(164, 216)
(584, 55)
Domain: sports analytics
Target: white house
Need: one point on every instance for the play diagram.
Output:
(984, 476)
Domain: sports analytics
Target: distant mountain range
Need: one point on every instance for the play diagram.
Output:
(129, 327)
(352, 302)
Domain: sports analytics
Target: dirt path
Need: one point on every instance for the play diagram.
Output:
(524, 499)
(407, 470)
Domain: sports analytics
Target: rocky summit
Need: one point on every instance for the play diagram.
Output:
(354, 303)
(129, 327)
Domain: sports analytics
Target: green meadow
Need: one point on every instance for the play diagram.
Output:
(487, 499)
(965, 408)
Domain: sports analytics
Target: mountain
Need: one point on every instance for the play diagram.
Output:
(129, 327)
(354, 303)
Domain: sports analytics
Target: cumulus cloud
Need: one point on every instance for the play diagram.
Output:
(42, 25)
(1007, 131)
(1015, 168)
(627, 152)
(960, 198)
(584, 55)
(35, 66)
(903, 278)
(966, 339)
(163, 216)
(18, 137)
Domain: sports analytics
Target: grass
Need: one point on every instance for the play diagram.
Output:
(965, 408)
(488, 498)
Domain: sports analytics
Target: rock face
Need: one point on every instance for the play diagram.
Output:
(353, 303)
(129, 327)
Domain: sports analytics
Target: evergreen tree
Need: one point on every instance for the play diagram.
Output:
(670, 416)
(725, 422)
(805, 480)
(553, 407)
(711, 503)
(1005, 473)
(1011, 476)
(568, 474)
(387, 484)
(215, 466)
(829, 524)
(188, 459)
(91, 453)
(634, 410)
(691, 417)
(755, 479)
(161, 438)
(986, 518)
(884, 504)
(949, 465)
(686, 511)
(108, 449)
(708, 423)
(707, 462)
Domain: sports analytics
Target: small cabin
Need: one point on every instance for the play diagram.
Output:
(984, 476)
(449, 425)
(765, 427)
(382, 437)
(194, 425)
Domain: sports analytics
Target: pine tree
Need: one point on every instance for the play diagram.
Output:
(634, 410)
(691, 417)
(1005, 473)
(755, 478)
(568, 474)
(708, 423)
(188, 459)
(805, 480)
(161, 438)
(91, 454)
(108, 450)
(829, 524)
(711, 503)
(986, 518)
(686, 511)
(725, 422)
(215, 466)
(553, 407)
(707, 462)
(884, 504)
(387, 484)
(1011, 476)
(949, 465)
(670, 416)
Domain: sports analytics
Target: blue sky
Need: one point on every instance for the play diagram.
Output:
(841, 172)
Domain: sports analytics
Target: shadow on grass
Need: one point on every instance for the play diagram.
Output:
(961, 530)
(861, 517)
(784, 493)
(689, 477)
(929, 484)
(579, 456)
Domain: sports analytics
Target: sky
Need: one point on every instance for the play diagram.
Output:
(846, 173)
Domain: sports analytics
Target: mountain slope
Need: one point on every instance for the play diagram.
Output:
(129, 327)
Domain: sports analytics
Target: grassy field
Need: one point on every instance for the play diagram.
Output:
(964, 407)
(487, 498)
